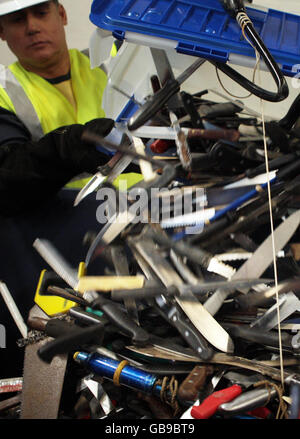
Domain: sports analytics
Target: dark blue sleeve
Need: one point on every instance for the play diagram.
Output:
(12, 129)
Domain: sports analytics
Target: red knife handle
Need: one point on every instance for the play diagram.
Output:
(160, 146)
(210, 405)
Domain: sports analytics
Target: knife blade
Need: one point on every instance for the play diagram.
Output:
(267, 338)
(248, 401)
(118, 222)
(197, 255)
(56, 261)
(193, 309)
(265, 367)
(120, 262)
(260, 297)
(172, 315)
(109, 172)
(114, 167)
(259, 261)
(168, 133)
(288, 303)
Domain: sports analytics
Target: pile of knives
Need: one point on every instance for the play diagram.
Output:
(196, 315)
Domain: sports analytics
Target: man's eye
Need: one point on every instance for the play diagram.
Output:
(42, 11)
(17, 19)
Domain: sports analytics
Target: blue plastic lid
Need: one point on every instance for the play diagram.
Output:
(202, 27)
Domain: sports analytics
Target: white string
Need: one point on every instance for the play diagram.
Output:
(243, 21)
(273, 242)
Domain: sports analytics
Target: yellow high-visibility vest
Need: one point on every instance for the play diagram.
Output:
(52, 108)
(43, 108)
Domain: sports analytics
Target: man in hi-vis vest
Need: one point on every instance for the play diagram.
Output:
(48, 97)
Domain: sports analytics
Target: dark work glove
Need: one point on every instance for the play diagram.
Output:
(31, 172)
(101, 127)
(76, 154)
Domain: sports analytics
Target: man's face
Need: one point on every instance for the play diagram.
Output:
(35, 34)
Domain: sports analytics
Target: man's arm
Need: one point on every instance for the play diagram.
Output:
(32, 172)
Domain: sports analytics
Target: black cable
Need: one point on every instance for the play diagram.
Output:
(237, 10)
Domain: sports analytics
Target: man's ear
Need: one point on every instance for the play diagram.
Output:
(63, 14)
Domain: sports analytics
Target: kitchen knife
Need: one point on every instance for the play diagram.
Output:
(267, 338)
(248, 401)
(171, 313)
(288, 303)
(108, 172)
(193, 309)
(259, 261)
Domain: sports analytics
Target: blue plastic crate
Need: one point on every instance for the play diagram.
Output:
(202, 28)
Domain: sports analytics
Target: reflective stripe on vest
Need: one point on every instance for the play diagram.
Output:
(23, 106)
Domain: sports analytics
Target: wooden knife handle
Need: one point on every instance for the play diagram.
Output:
(193, 383)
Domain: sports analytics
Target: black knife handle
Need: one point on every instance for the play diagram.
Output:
(69, 341)
(117, 316)
(191, 109)
(269, 338)
(153, 105)
(273, 164)
(194, 339)
(143, 293)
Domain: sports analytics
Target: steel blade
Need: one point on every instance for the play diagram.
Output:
(288, 304)
(259, 261)
(116, 165)
(194, 310)
(56, 261)
(91, 186)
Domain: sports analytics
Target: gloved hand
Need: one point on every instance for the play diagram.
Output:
(31, 172)
(78, 155)
(101, 127)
